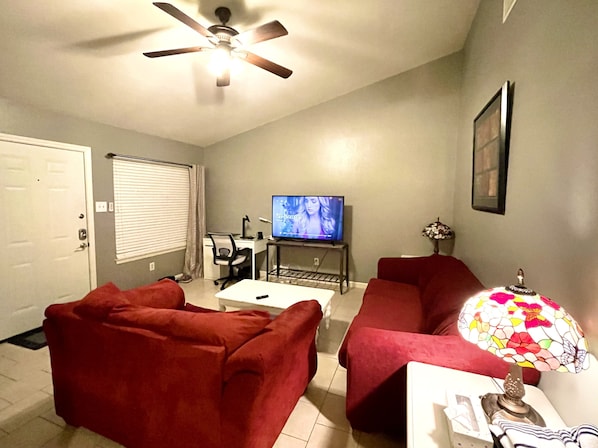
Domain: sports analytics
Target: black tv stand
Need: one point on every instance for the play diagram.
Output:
(342, 278)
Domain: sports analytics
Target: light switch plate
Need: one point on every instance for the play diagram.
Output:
(101, 206)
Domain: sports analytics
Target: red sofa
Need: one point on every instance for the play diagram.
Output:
(146, 370)
(409, 313)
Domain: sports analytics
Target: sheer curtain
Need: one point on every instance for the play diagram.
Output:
(196, 227)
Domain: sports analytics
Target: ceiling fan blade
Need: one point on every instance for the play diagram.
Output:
(264, 32)
(223, 79)
(181, 16)
(158, 54)
(270, 66)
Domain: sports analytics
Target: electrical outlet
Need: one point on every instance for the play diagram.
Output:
(316, 261)
(152, 266)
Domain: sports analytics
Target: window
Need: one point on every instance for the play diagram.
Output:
(151, 203)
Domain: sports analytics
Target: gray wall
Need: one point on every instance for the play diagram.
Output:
(400, 152)
(18, 119)
(388, 148)
(547, 48)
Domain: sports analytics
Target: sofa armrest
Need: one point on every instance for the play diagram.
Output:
(403, 270)
(388, 350)
(376, 371)
(297, 323)
(266, 376)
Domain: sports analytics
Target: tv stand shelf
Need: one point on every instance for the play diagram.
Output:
(342, 278)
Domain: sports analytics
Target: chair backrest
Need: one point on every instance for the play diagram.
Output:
(224, 248)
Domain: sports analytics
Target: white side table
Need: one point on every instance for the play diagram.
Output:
(426, 399)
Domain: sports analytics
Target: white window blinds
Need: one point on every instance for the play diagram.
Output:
(151, 203)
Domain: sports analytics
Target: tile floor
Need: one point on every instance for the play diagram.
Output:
(28, 420)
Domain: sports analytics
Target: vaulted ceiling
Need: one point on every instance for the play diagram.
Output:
(84, 58)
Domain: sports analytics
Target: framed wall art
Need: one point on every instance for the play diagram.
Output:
(491, 130)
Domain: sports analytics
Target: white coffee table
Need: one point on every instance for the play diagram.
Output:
(279, 296)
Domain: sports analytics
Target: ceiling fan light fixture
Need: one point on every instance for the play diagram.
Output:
(220, 60)
(227, 45)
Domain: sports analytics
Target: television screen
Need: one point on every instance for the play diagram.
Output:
(308, 217)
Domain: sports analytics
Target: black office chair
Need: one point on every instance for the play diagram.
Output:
(226, 254)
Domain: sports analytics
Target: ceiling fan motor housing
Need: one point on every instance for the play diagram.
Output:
(223, 32)
(223, 14)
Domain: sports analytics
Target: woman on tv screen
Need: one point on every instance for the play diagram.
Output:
(308, 217)
(313, 219)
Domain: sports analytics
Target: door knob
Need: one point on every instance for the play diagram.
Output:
(81, 247)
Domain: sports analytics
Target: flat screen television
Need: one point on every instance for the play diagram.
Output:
(317, 218)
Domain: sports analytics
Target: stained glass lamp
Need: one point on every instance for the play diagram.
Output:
(524, 329)
(438, 231)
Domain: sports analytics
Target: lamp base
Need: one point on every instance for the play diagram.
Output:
(499, 406)
(510, 405)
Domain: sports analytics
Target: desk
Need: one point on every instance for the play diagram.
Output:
(427, 425)
(212, 271)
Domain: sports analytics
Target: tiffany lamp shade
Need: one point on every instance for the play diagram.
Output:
(524, 329)
(438, 231)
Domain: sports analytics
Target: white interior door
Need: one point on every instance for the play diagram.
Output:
(44, 253)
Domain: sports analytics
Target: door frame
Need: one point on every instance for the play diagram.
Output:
(89, 209)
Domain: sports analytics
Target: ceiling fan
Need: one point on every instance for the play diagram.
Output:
(227, 42)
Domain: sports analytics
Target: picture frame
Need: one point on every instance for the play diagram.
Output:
(491, 133)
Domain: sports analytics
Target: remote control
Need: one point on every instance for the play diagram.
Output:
(262, 297)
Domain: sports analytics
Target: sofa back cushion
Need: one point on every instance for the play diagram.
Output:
(98, 303)
(161, 294)
(444, 294)
(230, 329)
(433, 265)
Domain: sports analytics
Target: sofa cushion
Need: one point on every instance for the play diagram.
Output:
(444, 295)
(390, 305)
(98, 303)
(434, 264)
(386, 305)
(230, 329)
(447, 326)
(162, 294)
(198, 309)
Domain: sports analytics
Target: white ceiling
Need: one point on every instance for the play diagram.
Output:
(84, 58)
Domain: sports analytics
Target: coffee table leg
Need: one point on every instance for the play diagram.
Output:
(327, 313)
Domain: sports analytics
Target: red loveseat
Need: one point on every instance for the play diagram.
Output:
(409, 313)
(147, 371)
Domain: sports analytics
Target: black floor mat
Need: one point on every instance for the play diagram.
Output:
(32, 339)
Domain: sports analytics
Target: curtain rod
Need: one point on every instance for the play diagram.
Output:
(112, 155)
